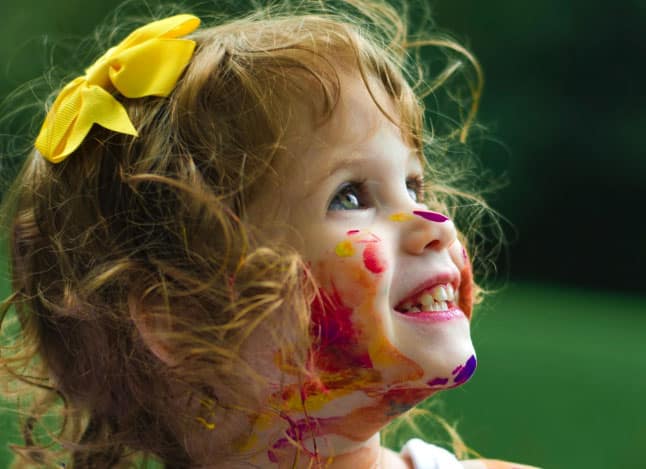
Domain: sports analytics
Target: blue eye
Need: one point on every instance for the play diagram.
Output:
(412, 193)
(350, 196)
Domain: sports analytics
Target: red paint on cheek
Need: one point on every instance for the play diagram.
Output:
(336, 340)
(371, 259)
(466, 289)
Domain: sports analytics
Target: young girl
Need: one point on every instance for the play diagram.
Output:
(227, 249)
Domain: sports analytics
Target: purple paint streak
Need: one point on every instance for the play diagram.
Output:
(298, 431)
(431, 216)
(438, 381)
(467, 371)
(457, 369)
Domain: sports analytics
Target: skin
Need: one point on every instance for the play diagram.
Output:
(368, 363)
(371, 364)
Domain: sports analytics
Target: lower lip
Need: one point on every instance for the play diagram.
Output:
(434, 316)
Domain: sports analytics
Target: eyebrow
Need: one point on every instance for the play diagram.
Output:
(350, 160)
(356, 158)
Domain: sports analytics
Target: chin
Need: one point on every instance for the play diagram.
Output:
(444, 351)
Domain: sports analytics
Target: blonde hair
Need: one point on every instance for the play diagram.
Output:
(157, 223)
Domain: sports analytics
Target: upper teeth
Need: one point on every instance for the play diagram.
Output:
(434, 299)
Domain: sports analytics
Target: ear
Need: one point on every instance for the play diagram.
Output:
(153, 328)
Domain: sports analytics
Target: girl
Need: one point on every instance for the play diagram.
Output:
(225, 253)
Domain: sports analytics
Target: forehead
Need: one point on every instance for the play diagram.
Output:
(365, 116)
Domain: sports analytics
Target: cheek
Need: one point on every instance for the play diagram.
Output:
(461, 259)
(459, 255)
(354, 268)
(351, 316)
(373, 260)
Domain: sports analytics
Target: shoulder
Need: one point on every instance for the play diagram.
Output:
(422, 455)
(493, 464)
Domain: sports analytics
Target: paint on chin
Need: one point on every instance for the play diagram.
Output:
(438, 382)
(461, 374)
(467, 371)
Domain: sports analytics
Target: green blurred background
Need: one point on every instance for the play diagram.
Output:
(562, 374)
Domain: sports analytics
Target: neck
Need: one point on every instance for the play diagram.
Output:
(342, 432)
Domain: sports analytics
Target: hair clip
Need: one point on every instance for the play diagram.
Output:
(146, 63)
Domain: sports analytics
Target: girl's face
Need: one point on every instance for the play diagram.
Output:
(395, 282)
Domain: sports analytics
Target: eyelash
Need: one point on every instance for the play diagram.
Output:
(416, 183)
(357, 187)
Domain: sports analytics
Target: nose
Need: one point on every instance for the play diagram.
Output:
(428, 231)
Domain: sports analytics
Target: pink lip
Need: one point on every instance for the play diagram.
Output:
(441, 279)
(433, 316)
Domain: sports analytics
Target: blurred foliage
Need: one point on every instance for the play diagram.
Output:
(565, 94)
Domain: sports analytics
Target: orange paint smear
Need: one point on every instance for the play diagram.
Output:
(466, 289)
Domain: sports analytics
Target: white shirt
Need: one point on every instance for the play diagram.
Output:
(427, 456)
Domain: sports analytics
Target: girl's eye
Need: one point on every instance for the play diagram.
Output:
(415, 188)
(350, 196)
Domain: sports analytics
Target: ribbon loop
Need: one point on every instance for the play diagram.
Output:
(146, 63)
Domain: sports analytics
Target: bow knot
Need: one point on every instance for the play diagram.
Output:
(146, 63)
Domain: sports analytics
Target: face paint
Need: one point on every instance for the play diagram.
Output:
(344, 249)
(438, 382)
(369, 238)
(465, 302)
(399, 217)
(209, 406)
(372, 260)
(337, 348)
(431, 216)
(352, 356)
(466, 371)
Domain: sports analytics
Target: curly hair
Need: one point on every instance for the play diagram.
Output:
(157, 224)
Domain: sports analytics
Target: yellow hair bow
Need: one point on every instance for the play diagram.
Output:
(146, 63)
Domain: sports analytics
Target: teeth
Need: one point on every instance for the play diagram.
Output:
(426, 299)
(432, 300)
(439, 293)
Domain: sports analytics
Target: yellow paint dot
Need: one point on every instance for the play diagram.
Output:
(205, 424)
(344, 249)
(400, 216)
